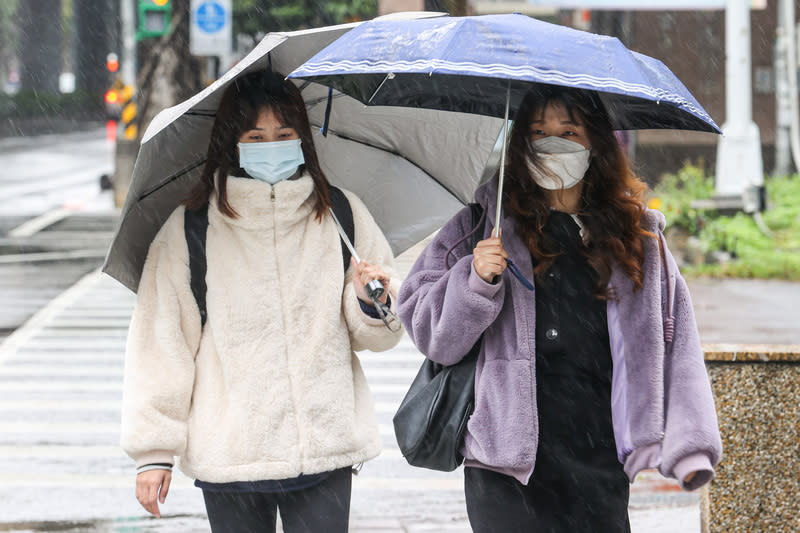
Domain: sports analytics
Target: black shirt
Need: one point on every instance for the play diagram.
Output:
(576, 469)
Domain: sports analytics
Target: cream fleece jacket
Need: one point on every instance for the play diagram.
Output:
(270, 388)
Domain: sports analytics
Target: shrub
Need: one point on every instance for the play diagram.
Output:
(675, 194)
(755, 254)
(29, 104)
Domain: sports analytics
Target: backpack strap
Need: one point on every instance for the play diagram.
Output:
(344, 213)
(195, 224)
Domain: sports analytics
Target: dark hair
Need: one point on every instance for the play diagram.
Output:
(611, 204)
(238, 112)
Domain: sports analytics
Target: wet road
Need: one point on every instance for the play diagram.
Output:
(54, 219)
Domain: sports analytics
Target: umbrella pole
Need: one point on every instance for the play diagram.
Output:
(502, 164)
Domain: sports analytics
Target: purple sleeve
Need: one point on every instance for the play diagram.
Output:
(445, 310)
(691, 435)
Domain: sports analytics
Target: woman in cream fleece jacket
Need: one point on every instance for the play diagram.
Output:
(265, 405)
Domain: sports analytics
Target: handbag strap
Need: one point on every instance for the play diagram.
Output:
(477, 214)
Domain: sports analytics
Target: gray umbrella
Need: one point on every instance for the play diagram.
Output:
(413, 168)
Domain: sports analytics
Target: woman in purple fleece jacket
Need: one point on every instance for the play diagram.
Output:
(592, 373)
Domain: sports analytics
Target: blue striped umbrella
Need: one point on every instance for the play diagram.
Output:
(486, 64)
(468, 64)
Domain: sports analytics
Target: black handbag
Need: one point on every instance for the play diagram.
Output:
(429, 424)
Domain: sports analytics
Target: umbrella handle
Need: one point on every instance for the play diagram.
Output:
(374, 288)
(499, 211)
(390, 320)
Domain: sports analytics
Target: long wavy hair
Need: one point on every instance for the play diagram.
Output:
(238, 112)
(611, 204)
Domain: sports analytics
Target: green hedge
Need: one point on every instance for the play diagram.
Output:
(754, 254)
(30, 104)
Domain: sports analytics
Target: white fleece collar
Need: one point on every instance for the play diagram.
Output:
(259, 204)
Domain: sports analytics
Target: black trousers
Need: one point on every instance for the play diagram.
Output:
(497, 503)
(322, 508)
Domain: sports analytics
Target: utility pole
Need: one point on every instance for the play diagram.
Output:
(783, 104)
(94, 28)
(127, 148)
(127, 16)
(740, 171)
(40, 45)
(787, 99)
(165, 73)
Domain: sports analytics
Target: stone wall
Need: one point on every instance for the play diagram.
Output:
(757, 483)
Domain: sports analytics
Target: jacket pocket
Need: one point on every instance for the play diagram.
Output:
(502, 430)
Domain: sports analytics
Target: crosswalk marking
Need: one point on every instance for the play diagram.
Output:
(69, 371)
(52, 450)
(125, 481)
(110, 371)
(57, 427)
(49, 357)
(61, 380)
(72, 333)
(75, 345)
(385, 430)
(15, 404)
(82, 385)
(50, 385)
(94, 451)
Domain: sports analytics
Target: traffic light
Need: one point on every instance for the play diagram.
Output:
(113, 100)
(112, 62)
(154, 18)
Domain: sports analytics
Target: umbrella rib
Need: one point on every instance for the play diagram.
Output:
(171, 178)
(389, 76)
(210, 114)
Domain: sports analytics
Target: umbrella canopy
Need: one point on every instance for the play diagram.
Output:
(485, 65)
(468, 64)
(409, 166)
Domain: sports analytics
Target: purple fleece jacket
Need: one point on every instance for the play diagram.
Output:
(662, 406)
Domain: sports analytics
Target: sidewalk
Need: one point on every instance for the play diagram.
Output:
(61, 374)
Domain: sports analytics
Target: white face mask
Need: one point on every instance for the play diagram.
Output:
(565, 159)
(271, 161)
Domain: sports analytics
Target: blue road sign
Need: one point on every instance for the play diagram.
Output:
(210, 17)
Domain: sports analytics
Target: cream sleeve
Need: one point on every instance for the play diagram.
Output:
(163, 339)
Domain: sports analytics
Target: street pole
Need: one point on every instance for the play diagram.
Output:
(127, 149)
(127, 17)
(740, 171)
(783, 104)
(786, 26)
